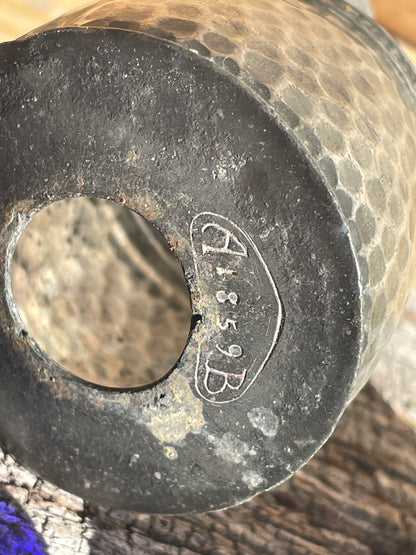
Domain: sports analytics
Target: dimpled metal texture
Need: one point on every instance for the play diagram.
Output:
(343, 90)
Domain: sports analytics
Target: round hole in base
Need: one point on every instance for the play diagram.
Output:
(100, 291)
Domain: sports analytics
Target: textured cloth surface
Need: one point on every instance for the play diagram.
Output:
(17, 536)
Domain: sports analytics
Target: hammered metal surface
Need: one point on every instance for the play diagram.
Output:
(105, 297)
(343, 90)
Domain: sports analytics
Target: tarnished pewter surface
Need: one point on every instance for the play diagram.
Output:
(289, 122)
(341, 86)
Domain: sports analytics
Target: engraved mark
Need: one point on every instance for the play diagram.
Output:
(242, 319)
(234, 351)
(223, 297)
(228, 238)
(225, 272)
(229, 323)
(226, 379)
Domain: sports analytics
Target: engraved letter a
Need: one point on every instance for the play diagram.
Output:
(231, 244)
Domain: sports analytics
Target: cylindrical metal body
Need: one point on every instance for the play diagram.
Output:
(275, 141)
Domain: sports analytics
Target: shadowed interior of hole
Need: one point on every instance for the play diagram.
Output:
(99, 290)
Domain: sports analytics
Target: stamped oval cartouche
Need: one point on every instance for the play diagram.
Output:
(241, 311)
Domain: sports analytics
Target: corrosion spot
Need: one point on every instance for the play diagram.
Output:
(230, 448)
(170, 452)
(252, 479)
(179, 412)
(122, 198)
(175, 242)
(264, 420)
(131, 156)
